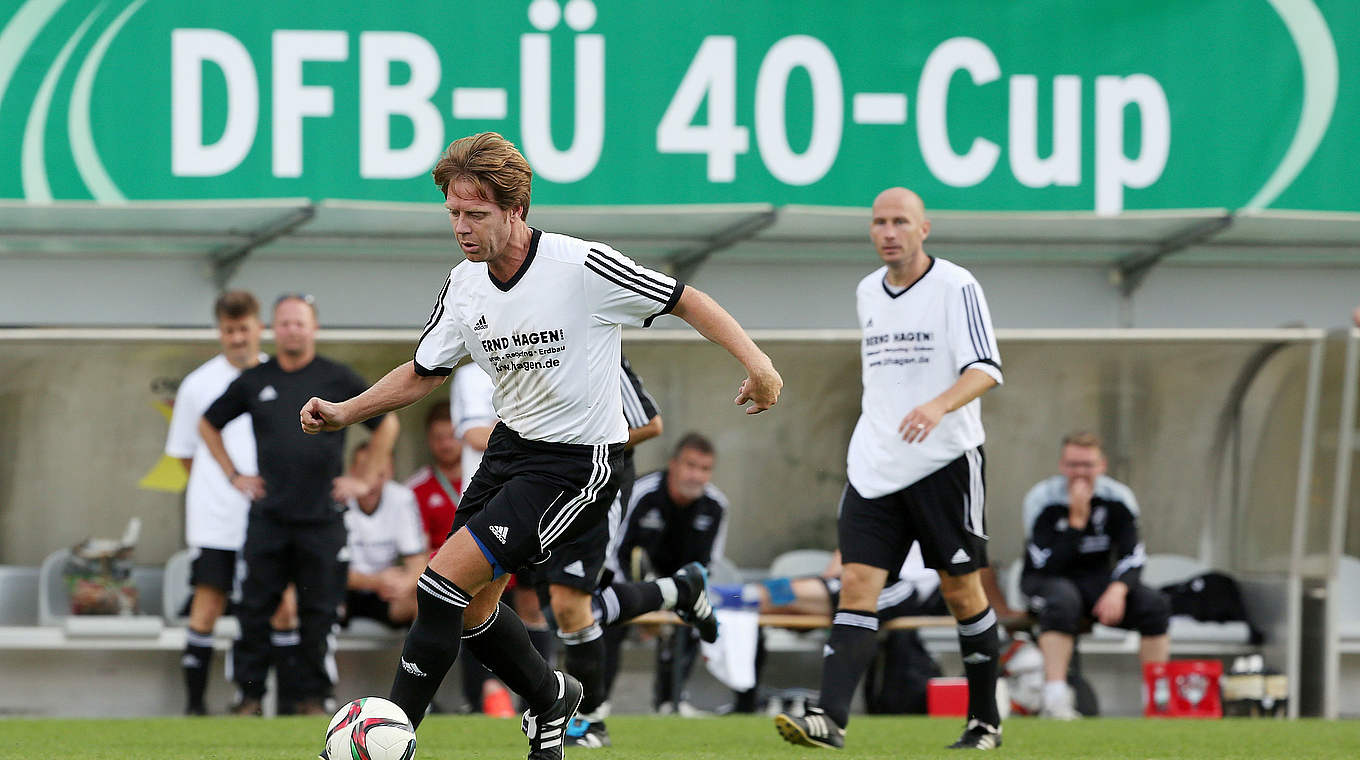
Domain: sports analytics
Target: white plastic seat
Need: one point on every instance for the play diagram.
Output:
(800, 562)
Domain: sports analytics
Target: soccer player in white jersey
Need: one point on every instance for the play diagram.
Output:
(541, 313)
(214, 511)
(473, 412)
(914, 466)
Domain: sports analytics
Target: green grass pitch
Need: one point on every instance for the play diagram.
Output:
(651, 738)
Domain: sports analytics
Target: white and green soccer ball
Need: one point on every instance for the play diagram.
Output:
(370, 728)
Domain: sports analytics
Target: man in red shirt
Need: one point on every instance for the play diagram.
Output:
(436, 485)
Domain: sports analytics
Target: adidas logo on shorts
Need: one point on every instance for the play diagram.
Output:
(959, 557)
(501, 532)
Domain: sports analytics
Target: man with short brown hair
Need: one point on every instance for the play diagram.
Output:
(541, 313)
(214, 511)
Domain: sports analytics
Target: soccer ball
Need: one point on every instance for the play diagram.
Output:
(370, 728)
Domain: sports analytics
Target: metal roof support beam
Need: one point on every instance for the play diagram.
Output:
(1131, 270)
(685, 264)
(227, 260)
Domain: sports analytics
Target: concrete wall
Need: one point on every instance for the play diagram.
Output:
(83, 429)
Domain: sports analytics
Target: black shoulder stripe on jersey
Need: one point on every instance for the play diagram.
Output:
(644, 399)
(972, 327)
(661, 289)
(624, 283)
(983, 327)
(632, 405)
(634, 269)
(641, 278)
(977, 329)
(437, 314)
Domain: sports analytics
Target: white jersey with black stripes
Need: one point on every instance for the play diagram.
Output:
(548, 337)
(916, 342)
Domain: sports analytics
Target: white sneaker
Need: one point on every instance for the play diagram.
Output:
(687, 710)
(1058, 707)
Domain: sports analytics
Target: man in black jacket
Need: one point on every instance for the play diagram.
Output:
(677, 518)
(1083, 558)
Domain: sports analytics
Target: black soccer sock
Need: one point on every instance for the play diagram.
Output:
(285, 648)
(613, 642)
(622, 602)
(196, 661)
(854, 637)
(544, 641)
(502, 644)
(431, 645)
(980, 648)
(585, 661)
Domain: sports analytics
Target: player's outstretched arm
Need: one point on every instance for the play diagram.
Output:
(397, 389)
(762, 384)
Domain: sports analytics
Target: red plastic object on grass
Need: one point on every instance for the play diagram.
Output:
(1182, 689)
(947, 697)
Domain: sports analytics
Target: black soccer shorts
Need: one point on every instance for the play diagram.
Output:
(214, 568)
(944, 511)
(530, 497)
(578, 563)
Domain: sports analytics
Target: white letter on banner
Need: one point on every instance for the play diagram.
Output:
(932, 98)
(189, 50)
(379, 99)
(1114, 170)
(1063, 165)
(292, 100)
(578, 161)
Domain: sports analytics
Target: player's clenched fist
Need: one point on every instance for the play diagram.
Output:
(318, 416)
(761, 388)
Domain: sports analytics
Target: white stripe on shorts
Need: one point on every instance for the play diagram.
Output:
(599, 476)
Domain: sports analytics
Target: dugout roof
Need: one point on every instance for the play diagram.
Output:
(680, 238)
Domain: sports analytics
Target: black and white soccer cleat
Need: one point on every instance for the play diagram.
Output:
(692, 605)
(547, 731)
(978, 735)
(813, 729)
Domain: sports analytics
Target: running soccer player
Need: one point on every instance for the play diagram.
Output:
(541, 313)
(915, 467)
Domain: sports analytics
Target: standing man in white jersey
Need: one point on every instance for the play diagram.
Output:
(541, 313)
(214, 510)
(473, 411)
(915, 467)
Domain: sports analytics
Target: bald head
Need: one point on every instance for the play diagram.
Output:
(898, 226)
(901, 198)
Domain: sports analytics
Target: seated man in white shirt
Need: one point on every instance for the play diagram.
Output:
(387, 550)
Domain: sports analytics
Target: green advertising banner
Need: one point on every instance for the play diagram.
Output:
(977, 104)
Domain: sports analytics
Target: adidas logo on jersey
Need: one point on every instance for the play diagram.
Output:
(576, 568)
(481, 323)
(959, 557)
(410, 667)
(501, 532)
(268, 394)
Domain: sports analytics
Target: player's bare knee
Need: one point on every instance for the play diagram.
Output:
(571, 608)
(963, 594)
(861, 585)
